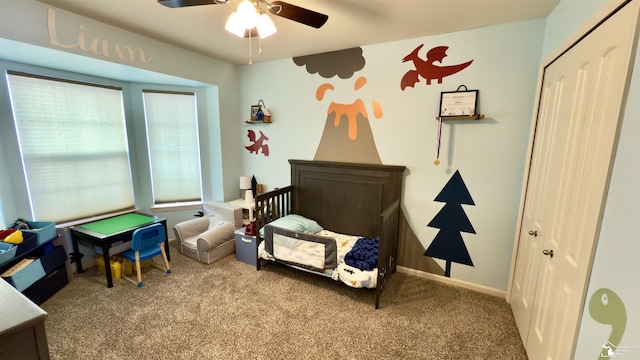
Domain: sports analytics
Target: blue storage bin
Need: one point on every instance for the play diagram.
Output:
(245, 247)
(53, 259)
(29, 242)
(44, 230)
(116, 248)
(7, 252)
(26, 276)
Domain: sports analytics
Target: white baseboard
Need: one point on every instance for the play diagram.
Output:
(454, 282)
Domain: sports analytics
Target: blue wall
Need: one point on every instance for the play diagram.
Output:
(489, 153)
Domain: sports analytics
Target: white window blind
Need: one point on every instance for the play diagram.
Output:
(174, 149)
(73, 145)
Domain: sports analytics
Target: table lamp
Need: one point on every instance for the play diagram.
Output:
(246, 188)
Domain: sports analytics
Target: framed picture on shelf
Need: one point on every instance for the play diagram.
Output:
(458, 103)
(254, 111)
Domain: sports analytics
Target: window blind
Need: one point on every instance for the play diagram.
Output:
(174, 149)
(73, 147)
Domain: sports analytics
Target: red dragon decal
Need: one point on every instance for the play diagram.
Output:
(258, 143)
(426, 69)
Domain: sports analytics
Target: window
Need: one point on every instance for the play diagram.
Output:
(73, 147)
(174, 150)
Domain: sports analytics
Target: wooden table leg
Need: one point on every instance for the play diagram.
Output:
(76, 256)
(107, 264)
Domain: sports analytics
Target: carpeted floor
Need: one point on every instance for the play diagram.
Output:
(228, 310)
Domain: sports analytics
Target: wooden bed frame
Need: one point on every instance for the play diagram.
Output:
(347, 198)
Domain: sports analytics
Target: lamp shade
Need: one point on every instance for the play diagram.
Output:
(265, 26)
(245, 182)
(234, 25)
(247, 13)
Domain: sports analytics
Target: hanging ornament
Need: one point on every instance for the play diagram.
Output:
(439, 141)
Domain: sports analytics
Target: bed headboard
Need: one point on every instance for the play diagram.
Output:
(344, 197)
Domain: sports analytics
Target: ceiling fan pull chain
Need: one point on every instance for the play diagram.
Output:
(250, 57)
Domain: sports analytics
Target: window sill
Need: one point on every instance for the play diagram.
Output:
(177, 207)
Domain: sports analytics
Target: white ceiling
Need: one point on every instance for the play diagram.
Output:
(351, 23)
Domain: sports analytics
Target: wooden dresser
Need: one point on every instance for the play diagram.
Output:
(22, 333)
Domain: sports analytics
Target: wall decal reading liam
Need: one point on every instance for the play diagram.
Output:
(97, 46)
(258, 143)
(451, 220)
(426, 68)
(606, 307)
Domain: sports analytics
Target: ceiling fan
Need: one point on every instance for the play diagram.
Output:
(278, 8)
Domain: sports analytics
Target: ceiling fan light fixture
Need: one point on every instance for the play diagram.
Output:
(247, 13)
(265, 26)
(246, 18)
(234, 25)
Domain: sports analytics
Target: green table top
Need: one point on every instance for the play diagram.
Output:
(118, 223)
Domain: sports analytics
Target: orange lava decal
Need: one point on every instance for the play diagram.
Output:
(350, 110)
(377, 109)
(322, 89)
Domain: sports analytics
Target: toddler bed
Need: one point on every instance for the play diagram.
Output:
(335, 219)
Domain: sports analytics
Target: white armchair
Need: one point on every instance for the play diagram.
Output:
(210, 237)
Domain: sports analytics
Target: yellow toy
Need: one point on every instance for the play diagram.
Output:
(14, 238)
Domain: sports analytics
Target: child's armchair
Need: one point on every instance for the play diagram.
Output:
(210, 237)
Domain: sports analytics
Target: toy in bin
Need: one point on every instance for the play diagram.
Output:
(251, 229)
(21, 224)
(14, 238)
(6, 232)
(13, 235)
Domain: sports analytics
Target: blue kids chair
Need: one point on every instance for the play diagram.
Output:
(146, 243)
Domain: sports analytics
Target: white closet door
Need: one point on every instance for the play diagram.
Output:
(580, 108)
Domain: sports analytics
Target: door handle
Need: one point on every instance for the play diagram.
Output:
(548, 252)
(533, 232)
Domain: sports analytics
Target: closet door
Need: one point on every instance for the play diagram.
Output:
(579, 109)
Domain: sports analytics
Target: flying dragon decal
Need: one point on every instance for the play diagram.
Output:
(258, 143)
(426, 69)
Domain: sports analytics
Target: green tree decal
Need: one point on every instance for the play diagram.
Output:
(451, 220)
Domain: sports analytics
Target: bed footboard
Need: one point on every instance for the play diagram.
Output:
(270, 206)
(388, 248)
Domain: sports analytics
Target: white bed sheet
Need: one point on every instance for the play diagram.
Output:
(349, 275)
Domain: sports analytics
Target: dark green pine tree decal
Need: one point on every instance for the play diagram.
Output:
(451, 220)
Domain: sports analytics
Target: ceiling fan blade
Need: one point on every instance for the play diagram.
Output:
(296, 13)
(182, 3)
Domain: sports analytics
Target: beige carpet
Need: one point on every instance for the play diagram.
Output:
(228, 310)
